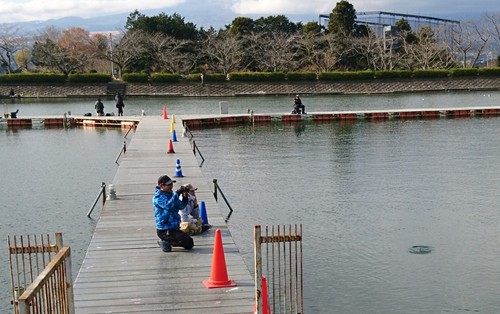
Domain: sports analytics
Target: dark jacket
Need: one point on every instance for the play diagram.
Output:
(99, 106)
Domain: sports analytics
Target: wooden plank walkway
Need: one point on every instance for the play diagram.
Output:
(125, 271)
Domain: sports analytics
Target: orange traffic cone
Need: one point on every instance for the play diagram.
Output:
(165, 112)
(265, 303)
(218, 275)
(266, 309)
(170, 147)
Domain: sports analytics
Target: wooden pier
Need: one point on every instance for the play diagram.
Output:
(124, 269)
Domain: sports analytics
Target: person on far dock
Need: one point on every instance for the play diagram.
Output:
(298, 106)
(99, 107)
(119, 103)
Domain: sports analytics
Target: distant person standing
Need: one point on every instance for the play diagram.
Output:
(119, 103)
(99, 107)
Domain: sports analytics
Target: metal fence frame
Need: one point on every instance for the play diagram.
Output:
(52, 291)
(31, 258)
(283, 269)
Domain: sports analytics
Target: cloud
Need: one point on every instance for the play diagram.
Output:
(275, 7)
(30, 10)
(40, 10)
(424, 7)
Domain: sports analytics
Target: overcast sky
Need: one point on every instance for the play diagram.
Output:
(30, 10)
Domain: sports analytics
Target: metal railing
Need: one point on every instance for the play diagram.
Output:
(130, 129)
(52, 291)
(217, 188)
(102, 192)
(123, 150)
(196, 149)
(282, 266)
(187, 131)
(193, 142)
(29, 258)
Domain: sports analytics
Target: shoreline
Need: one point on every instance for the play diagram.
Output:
(252, 89)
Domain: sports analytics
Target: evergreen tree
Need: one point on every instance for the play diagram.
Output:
(171, 25)
(405, 28)
(342, 19)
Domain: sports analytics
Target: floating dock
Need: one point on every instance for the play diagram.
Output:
(200, 121)
(70, 121)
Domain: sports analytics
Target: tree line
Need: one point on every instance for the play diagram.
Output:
(168, 43)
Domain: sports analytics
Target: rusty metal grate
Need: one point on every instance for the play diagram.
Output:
(280, 263)
(34, 261)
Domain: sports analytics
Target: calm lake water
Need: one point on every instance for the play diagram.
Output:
(263, 104)
(48, 181)
(365, 192)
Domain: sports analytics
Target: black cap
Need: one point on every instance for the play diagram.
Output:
(165, 180)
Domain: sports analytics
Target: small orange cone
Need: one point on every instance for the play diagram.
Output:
(170, 147)
(265, 303)
(218, 275)
(165, 112)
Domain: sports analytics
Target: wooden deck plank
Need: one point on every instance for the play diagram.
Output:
(125, 271)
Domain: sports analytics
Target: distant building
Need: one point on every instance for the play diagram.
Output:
(378, 21)
(392, 38)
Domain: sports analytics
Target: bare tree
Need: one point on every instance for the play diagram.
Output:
(469, 40)
(493, 27)
(223, 51)
(428, 55)
(371, 48)
(322, 53)
(126, 50)
(11, 41)
(100, 45)
(170, 54)
(273, 51)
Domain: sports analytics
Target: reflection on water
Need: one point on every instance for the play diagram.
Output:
(365, 193)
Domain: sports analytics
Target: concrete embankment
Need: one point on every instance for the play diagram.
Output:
(252, 89)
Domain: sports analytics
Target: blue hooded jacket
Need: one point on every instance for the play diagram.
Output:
(167, 206)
